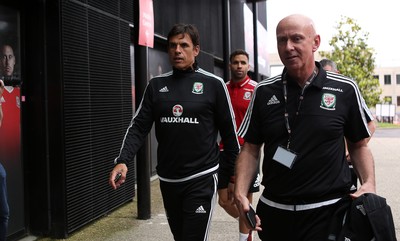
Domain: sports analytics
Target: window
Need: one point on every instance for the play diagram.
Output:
(376, 77)
(398, 100)
(387, 79)
(398, 79)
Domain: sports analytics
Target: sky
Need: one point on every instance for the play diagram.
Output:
(381, 19)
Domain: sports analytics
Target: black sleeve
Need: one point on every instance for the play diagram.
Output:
(225, 118)
(250, 128)
(356, 127)
(138, 129)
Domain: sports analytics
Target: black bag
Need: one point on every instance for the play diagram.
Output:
(363, 219)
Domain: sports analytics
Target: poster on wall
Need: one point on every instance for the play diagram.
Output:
(10, 128)
(158, 63)
(146, 23)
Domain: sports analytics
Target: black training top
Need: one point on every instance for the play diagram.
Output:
(188, 108)
(331, 109)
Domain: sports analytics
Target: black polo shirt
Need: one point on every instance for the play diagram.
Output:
(331, 109)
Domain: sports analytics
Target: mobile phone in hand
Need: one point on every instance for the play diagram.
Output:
(251, 217)
(117, 177)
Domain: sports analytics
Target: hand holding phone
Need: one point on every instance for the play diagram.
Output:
(251, 217)
(117, 177)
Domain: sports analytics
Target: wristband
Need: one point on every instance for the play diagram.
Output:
(232, 179)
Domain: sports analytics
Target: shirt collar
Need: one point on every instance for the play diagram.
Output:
(188, 70)
(319, 80)
(321, 76)
(240, 83)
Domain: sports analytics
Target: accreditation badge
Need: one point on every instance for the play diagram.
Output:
(284, 157)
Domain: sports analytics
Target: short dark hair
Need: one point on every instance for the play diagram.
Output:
(189, 29)
(238, 52)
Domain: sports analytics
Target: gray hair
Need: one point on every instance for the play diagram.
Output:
(325, 62)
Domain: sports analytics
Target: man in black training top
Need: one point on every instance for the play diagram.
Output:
(189, 107)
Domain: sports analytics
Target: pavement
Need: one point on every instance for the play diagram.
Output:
(122, 224)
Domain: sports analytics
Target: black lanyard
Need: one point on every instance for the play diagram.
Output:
(301, 98)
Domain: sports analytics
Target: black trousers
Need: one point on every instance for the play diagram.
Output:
(189, 206)
(284, 225)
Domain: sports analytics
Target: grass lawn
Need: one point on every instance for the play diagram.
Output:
(386, 125)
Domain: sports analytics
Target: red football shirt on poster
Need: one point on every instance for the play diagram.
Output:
(10, 130)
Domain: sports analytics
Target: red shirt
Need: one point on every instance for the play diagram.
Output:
(240, 94)
(10, 129)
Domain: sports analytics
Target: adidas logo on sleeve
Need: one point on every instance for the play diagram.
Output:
(164, 89)
(273, 101)
(200, 210)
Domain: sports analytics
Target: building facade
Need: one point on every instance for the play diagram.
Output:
(389, 80)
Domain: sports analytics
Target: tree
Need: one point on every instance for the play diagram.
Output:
(354, 58)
